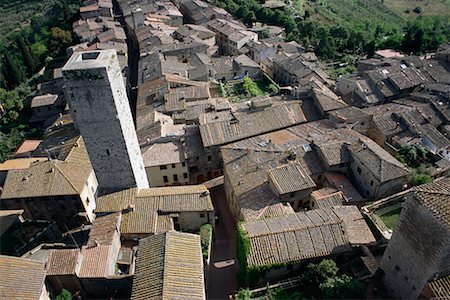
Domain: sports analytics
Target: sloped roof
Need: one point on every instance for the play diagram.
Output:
(95, 261)
(169, 266)
(104, 229)
(159, 154)
(295, 237)
(435, 197)
(21, 278)
(148, 207)
(327, 197)
(378, 161)
(63, 262)
(326, 98)
(50, 178)
(116, 201)
(290, 178)
(305, 235)
(248, 124)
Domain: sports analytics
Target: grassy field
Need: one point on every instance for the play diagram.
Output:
(429, 7)
(390, 219)
(359, 13)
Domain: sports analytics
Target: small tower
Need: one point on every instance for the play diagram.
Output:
(99, 105)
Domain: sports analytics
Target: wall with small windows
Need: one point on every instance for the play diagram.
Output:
(171, 174)
(89, 195)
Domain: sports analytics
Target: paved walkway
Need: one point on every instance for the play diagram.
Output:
(222, 282)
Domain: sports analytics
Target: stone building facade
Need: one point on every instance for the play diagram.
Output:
(100, 108)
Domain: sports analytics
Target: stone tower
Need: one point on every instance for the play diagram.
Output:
(419, 250)
(99, 105)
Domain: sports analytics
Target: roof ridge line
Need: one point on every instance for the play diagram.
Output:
(65, 177)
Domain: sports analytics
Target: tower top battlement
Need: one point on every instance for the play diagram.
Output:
(90, 60)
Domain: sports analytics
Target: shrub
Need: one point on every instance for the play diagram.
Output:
(419, 179)
(417, 9)
(64, 295)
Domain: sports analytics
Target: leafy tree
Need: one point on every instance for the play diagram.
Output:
(59, 40)
(413, 155)
(250, 87)
(326, 47)
(250, 18)
(413, 40)
(64, 295)
(315, 274)
(9, 142)
(342, 287)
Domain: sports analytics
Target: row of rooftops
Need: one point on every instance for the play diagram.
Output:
(381, 79)
(305, 150)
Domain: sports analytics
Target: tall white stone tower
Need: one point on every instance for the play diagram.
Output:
(99, 105)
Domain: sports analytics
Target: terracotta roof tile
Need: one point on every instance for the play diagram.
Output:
(21, 278)
(169, 266)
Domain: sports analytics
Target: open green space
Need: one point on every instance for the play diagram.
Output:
(390, 219)
(405, 8)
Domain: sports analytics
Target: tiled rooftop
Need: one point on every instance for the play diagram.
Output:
(21, 278)
(169, 266)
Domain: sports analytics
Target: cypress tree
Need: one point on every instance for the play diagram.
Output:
(13, 73)
(27, 54)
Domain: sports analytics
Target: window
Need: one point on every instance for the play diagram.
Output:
(371, 183)
(202, 215)
(197, 158)
(292, 195)
(175, 177)
(165, 179)
(358, 170)
(209, 157)
(183, 164)
(163, 167)
(49, 108)
(185, 175)
(193, 169)
(173, 166)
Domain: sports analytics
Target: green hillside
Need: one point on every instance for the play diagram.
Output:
(405, 8)
(356, 13)
(17, 14)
